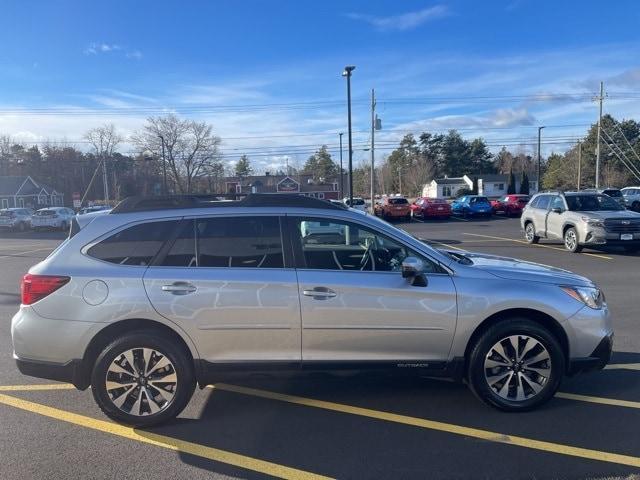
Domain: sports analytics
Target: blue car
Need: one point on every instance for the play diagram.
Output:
(472, 206)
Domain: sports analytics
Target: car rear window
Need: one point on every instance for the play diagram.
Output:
(356, 201)
(398, 201)
(479, 200)
(136, 245)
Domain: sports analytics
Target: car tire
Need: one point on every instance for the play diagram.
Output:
(21, 227)
(570, 239)
(64, 226)
(635, 206)
(530, 233)
(530, 375)
(112, 366)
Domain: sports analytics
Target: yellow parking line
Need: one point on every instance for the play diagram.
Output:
(600, 400)
(597, 255)
(441, 426)
(170, 443)
(623, 366)
(32, 388)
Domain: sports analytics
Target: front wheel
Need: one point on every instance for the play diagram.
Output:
(571, 240)
(142, 379)
(516, 365)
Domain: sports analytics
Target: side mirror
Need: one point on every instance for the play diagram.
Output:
(556, 210)
(412, 267)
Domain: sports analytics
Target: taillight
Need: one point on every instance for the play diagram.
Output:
(36, 287)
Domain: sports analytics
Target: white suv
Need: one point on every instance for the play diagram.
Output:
(58, 218)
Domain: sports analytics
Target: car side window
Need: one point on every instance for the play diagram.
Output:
(543, 202)
(341, 245)
(252, 242)
(557, 203)
(136, 245)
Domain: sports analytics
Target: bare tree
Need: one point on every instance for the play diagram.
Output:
(191, 151)
(104, 141)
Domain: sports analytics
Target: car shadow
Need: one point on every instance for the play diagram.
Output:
(305, 435)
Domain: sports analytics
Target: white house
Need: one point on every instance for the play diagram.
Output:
(490, 185)
(446, 187)
(24, 191)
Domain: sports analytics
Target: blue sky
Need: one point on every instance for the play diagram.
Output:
(428, 61)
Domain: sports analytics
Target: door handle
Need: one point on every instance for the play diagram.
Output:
(179, 288)
(319, 293)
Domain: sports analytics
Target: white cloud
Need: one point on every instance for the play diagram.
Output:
(405, 21)
(97, 48)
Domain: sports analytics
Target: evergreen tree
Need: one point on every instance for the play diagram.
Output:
(321, 165)
(511, 189)
(524, 183)
(243, 167)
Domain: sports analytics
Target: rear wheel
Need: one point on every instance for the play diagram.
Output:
(530, 233)
(516, 365)
(571, 240)
(635, 206)
(142, 379)
(64, 226)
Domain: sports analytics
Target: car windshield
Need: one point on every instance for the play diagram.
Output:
(591, 203)
(356, 201)
(44, 213)
(398, 201)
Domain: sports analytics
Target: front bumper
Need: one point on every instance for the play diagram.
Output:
(600, 236)
(596, 361)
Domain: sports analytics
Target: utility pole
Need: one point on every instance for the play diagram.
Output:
(539, 161)
(105, 180)
(579, 164)
(341, 169)
(164, 168)
(373, 143)
(600, 98)
(347, 73)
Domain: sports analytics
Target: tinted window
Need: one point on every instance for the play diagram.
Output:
(338, 245)
(589, 203)
(135, 245)
(253, 242)
(183, 251)
(613, 193)
(398, 201)
(479, 200)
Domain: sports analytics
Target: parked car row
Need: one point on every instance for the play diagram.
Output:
(50, 218)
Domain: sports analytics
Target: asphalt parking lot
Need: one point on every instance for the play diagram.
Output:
(340, 426)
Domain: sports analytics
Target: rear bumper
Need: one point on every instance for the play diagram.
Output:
(596, 361)
(69, 372)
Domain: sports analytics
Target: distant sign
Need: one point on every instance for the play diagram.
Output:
(288, 184)
(77, 203)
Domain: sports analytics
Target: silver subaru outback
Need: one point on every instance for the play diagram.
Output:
(163, 294)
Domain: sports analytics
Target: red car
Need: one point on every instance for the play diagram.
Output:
(430, 208)
(393, 207)
(510, 205)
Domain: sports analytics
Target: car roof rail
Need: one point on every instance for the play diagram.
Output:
(171, 202)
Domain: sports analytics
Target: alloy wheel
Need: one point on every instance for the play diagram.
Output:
(141, 381)
(570, 240)
(517, 368)
(529, 233)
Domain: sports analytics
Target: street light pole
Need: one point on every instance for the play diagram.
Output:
(600, 98)
(347, 73)
(373, 145)
(164, 167)
(539, 138)
(341, 169)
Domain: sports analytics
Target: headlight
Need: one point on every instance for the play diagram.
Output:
(590, 296)
(593, 222)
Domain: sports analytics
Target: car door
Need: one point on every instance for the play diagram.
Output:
(225, 280)
(539, 214)
(357, 307)
(555, 219)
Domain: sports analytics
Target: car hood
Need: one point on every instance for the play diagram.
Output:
(603, 215)
(514, 269)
